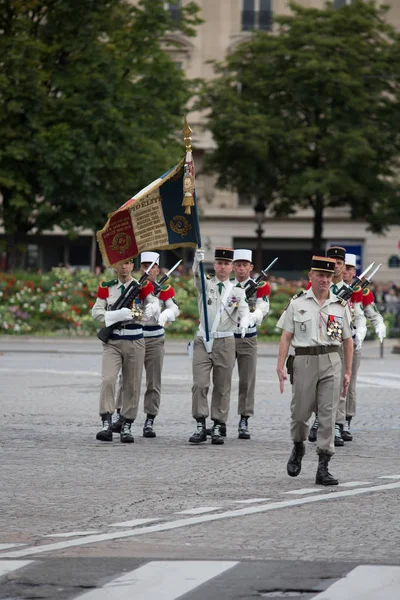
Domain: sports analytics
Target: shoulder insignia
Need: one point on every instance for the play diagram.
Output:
(263, 290)
(146, 289)
(357, 288)
(308, 285)
(167, 292)
(297, 295)
(366, 291)
(107, 284)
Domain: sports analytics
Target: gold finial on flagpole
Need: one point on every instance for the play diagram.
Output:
(188, 175)
(186, 135)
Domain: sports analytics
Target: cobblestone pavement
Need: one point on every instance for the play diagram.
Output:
(57, 480)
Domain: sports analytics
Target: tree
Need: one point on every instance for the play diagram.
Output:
(90, 104)
(309, 117)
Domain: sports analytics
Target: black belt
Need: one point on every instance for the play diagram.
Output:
(316, 350)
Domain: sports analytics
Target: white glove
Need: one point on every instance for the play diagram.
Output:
(152, 311)
(380, 331)
(244, 325)
(361, 332)
(198, 258)
(115, 316)
(167, 316)
(255, 318)
(199, 255)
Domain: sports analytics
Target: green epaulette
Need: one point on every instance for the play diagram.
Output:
(109, 283)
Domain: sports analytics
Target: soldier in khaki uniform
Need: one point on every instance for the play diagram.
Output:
(246, 348)
(338, 253)
(125, 350)
(369, 309)
(316, 323)
(153, 333)
(226, 309)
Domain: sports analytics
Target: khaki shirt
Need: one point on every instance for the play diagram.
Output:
(310, 323)
(235, 306)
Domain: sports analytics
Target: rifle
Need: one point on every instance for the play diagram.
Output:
(124, 301)
(346, 291)
(252, 284)
(368, 279)
(158, 284)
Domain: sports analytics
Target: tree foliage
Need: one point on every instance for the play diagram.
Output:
(89, 107)
(309, 117)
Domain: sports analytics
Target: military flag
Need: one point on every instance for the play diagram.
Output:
(162, 216)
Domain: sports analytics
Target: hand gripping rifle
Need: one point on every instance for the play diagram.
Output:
(252, 284)
(124, 301)
(346, 291)
(158, 284)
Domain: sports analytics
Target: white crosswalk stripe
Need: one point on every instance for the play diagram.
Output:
(166, 580)
(367, 582)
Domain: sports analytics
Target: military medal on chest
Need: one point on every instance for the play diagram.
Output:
(334, 328)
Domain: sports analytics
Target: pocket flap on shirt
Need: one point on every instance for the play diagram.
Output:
(302, 318)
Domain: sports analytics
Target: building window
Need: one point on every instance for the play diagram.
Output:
(174, 9)
(257, 14)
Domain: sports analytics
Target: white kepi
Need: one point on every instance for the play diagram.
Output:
(148, 257)
(350, 260)
(242, 254)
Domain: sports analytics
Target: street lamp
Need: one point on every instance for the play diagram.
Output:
(259, 210)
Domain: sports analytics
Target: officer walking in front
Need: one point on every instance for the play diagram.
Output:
(246, 348)
(227, 309)
(316, 323)
(124, 350)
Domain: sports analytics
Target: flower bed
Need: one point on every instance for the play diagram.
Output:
(59, 302)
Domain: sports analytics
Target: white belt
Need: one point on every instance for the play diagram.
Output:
(214, 335)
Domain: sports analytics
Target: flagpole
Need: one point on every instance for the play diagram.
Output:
(188, 143)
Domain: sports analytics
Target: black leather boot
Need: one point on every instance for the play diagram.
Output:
(126, 436)
(117, 423)
(338, 441)
(243, 429)
(216, 435)
(148, 428)
(323, 476)
(312, 436)
(105, 433)
(346, 435)
(200, 434)
(294, 462)
(223, 430)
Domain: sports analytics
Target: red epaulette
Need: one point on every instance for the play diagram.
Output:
(367, 297)
(357, 295)
(167, 292)
(308, 285)
(146, 289)
(103, 292)
(263, 290)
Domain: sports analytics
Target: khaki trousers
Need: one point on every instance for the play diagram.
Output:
(246, 356)
(221, 361)
(153, 364)
(351, 394)
(341, 409)
(316, 388)
(127, 355)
